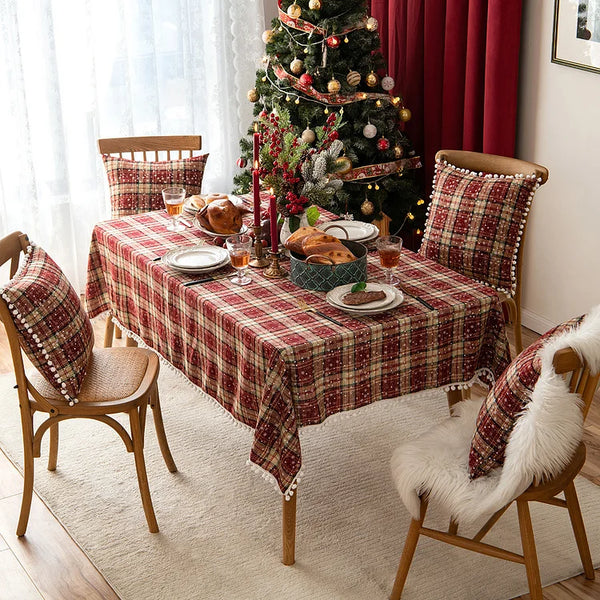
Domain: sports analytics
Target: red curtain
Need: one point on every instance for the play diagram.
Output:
(456, 64)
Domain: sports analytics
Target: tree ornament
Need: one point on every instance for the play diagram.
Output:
(405, 114)
(367, 208)
(333, 41)
(334, 86)
(314, 5)
(294, 11)
(398, 151)
(296, 66)
(252, 95)
(267, 36)
(241, 162)
(383, 144)
(369, 131)
(353, 78)
(387, 83)
(308, 136)
(343, 164)
(372, 79)
(306, 79)
(372, 24)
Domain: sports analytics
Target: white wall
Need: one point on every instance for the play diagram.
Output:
(270, 11)
(559, 127)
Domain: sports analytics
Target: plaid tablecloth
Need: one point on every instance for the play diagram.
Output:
(275, 367)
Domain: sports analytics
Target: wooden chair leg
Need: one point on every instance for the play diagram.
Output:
(453, 527)
(579, 530)
(53, 449)
(118, 333)
(529, 552)
(410, 545)
(140, 466)
(130, 342)
(28, 470)
(288, 530)
(517, 330)
(160, 431)
(109, 329)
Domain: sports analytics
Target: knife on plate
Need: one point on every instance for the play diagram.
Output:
(207, 279)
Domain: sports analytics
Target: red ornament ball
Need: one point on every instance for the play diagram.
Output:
(241, 162)
(383, 144)
(333, 41)
(306, 79)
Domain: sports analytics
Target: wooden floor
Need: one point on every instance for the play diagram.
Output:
(48, 564)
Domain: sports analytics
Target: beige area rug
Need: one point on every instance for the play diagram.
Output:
(220, 522)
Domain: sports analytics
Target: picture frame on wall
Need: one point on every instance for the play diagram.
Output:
(576, 34)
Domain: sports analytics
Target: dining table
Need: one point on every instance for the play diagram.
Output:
(275, 366)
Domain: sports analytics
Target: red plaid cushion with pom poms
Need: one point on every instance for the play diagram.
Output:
(54, 330)
(504, 403)
(136, 186)
(475, 223)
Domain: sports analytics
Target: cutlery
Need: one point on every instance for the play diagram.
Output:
(185, 222)
(305, 307)
(207, 279)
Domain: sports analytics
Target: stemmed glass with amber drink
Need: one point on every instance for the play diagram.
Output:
(389, 248)
(239, 247)
(173, 198)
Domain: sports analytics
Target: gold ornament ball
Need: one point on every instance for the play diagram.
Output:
(252, 95)
(334, 86)
(294, 11)
(314, 5)
(343, 164)
(372, 24)
(398, 151)
(405, 114)
(308, 136)
(353, 78)
(267, 36)
(372, 79)
(297, 66)
(367, 208)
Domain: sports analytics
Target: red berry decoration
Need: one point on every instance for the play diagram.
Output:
(242, 162)
(383, 144)
(306, 79)
(333, 41)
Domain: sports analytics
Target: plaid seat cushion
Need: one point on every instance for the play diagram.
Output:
(504, 403)
(136, 186)
(475, 222)
(54, 330)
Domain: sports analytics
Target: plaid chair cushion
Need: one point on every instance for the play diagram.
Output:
(475, 222)
(136, 186)
(504, 403)
(54, 330)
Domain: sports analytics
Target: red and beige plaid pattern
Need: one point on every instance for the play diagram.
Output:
(136, 186)
(54, 330)
(504, 404)
(275, 367)
(475, 223)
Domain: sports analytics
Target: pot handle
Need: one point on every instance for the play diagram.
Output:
(307, 261)
(335, 226)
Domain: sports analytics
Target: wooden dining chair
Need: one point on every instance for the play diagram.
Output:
(537, 472)
(43, 318)
(477, 220)
(152, 149)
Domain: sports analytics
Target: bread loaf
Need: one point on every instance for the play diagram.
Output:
(315, 240)
(337, 252)
(309, 241)
(294, 242)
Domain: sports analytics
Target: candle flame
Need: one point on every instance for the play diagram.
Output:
(256, 164)
(256, 127)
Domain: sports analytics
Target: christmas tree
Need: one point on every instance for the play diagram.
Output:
(322, 56)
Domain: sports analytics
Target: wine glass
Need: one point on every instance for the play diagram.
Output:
(389, 248)
(173, 198)
(239, 247)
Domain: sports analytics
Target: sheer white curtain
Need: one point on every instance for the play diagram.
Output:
(72, 71)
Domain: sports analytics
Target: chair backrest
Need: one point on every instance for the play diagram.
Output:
(149, 146)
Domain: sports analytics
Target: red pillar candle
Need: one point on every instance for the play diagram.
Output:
(273, 215)
(256, 190)
(255, 156)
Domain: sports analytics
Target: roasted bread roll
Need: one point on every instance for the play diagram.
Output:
(197, 201)
(315, 240)
(215, 196)
(221, 216)
(294, 242)
(337, 252)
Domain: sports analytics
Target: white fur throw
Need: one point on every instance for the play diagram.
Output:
(541, 444)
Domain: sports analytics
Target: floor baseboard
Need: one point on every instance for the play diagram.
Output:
(535, 322)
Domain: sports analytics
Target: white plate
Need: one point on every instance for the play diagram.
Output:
(398, 299)
(336, 295)
(357, 230)
(196, 259)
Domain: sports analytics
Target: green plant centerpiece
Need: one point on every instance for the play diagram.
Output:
(300, 175)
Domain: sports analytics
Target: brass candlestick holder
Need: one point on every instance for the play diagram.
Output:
(260, 259)
(274, 270)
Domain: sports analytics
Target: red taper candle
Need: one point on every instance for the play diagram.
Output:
(255, 156)
(256, 191)
(273, 215)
